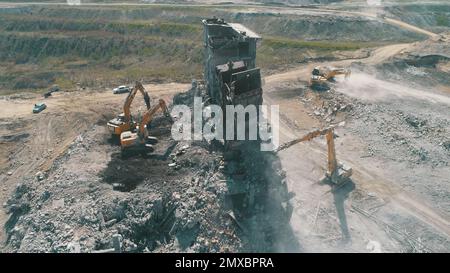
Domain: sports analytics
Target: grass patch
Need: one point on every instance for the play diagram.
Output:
(65, 83)
(283, 43)
(15, 23)
(105, 46)
(442, 20)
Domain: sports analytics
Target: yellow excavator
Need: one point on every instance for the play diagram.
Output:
(139, 139)
(337, 173)
(124, 121)
(321, 75)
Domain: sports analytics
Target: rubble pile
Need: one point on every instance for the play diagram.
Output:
(331, 107)
(259, 200)
(75, 207)
(424, 64)
(186, 197)
(419, 139)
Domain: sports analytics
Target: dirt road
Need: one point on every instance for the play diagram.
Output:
(301, 73)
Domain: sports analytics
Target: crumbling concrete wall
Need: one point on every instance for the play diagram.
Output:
(229, 49)
(231, 75)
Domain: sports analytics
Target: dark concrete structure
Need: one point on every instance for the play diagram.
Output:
(230, 73)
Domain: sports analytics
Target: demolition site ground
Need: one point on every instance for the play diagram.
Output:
(65, 187)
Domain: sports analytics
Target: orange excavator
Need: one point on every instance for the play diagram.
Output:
(124, 121)
(337, 173)
(139, 140)
(321, 75)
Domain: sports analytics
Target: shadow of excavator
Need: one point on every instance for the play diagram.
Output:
(340, 194)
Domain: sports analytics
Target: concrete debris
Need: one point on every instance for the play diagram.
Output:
(117, 242)
(446, 145)
(73, 247)
(214, 196)
(374, 247)
(418, 142)
(76, 210)
(414, 121)
(142, 205)
(40, 176)
(58, 203)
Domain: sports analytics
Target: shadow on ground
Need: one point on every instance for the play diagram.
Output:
(340, 194)
(260, 200)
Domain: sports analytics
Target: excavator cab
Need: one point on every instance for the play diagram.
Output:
(118, 125)
(322, 75)
(316, 71)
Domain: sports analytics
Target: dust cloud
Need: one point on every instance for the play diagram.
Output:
(367, 87)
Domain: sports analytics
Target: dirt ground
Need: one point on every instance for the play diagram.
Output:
(393, 133)
(398, 199)
(32, 142)
(396, 202)
(81, 193)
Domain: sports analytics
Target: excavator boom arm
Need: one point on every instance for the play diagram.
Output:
(148, 116)
(130, 98)
(332, 162)
(339, 71)
(329, 133)
(307, 137)
(328, 72)
(144, 94)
